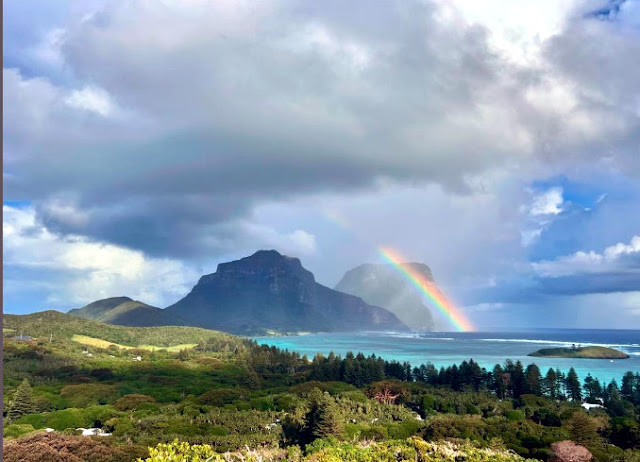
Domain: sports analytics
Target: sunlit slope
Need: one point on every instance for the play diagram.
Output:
(63, 326)
(127, 312)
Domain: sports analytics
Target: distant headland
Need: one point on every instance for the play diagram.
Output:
(590, 352)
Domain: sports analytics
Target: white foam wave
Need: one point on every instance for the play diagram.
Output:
(561, 342)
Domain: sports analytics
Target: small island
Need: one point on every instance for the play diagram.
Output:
(590, 352)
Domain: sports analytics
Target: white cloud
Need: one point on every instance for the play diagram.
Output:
(92, 99)
(49, 50)
(303, 241)
(610, 260)
(517, 29)
(296, 243)
(547, 203)
(86, 270)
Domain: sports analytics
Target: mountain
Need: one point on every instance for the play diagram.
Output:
(270, 291)
(124, 311)
(381, 285)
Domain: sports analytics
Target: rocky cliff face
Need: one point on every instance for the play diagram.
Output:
(381, 285)
(270, 291)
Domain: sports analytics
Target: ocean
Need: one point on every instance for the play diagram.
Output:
(486, 348)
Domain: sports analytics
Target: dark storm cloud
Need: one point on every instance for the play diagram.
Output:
(593, 283)
(165, 128)
(177, 133)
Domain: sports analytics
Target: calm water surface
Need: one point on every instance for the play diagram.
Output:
(487, 348)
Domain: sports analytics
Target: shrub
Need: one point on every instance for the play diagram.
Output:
(221, 396)
(35, 420)
(67, 418)
(262, 404)
(286, 402)
(16, 430)
(99, 415)
(404, 429)
(87, 394)
(132, 401)
(52, 447)
(515, 415)
(103, 373)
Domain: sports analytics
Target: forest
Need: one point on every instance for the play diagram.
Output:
(229, 397)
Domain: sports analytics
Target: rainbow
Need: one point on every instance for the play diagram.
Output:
(427, 288)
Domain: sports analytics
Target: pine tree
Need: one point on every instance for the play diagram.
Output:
(583, 428)
(562, 384)
(22, 403)
(611, 393)
(551, 385)
(626, 390)
(517, 379)
(533, 380)
(573, 385)
(323, 419)
(499, 383)
(592, 388)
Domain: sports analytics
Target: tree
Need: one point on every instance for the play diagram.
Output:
(499, 382)
(322, 419)
(551, 384)
(533, 380)
(583, 428)
(592, 388)
(612, 393)
(627, 388)
(562, 384)
(22, 403)
(573, 385)
(517, 383)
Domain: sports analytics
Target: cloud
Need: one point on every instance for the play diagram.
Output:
(547, 203)
(83, 270)
(239, 106)
(613, 259)
(428, 124)
(615, 269)
(92, 99)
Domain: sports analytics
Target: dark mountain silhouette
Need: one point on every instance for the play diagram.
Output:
(270, 291)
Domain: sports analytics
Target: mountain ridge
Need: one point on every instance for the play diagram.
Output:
(124, 311)
(271, 291)
(257, 294)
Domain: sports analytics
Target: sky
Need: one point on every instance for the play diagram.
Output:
(498, 142)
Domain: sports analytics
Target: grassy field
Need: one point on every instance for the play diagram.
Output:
(99, 343)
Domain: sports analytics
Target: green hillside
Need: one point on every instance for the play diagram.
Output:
(124, 311)
(64, 326)
(590, 352)
(99, 308)
(145, 386)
